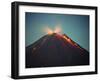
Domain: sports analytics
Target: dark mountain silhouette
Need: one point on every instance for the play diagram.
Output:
(55, 50)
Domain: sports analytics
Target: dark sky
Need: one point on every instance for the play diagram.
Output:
(75, 26)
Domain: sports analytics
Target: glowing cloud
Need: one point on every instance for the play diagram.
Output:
(57, 29)
(48, 31)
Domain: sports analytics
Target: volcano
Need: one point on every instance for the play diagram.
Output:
(55, 50)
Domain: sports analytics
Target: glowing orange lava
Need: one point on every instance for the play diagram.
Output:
(68, 39)
(50, 31)
(65, 37)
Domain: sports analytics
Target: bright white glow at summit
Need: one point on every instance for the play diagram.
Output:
(56, 30)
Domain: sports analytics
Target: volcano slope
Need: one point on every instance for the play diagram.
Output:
(55, 50)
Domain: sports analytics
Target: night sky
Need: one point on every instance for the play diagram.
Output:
(75, 26)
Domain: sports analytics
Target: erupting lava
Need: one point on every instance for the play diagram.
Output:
(50, 31)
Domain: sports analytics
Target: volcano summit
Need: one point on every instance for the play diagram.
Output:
(55, 50)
